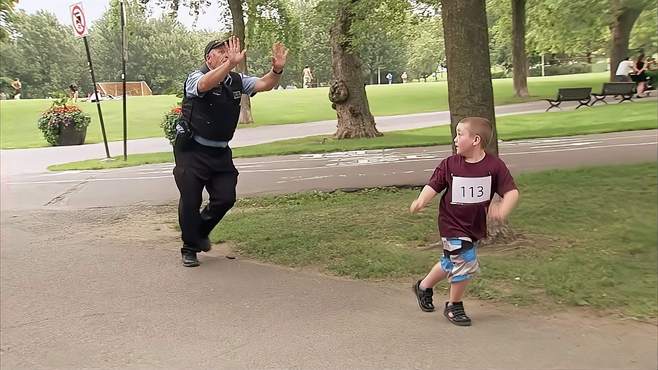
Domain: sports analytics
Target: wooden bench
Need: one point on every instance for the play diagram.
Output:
(579, 94)
(623, 89)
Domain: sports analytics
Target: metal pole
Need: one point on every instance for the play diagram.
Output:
(123, 78)
(379, 76)
(98, 98)
(542, 65)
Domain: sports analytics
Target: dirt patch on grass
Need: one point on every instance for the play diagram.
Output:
(520, 241)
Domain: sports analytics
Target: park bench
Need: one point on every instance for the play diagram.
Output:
(623, 89)
(579, 94)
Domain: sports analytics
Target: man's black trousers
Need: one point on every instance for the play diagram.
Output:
(199, 166)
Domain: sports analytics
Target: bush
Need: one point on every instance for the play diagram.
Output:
(169, 122)
(499, 74)
(5, 85)
(60, 116)
(562, 69)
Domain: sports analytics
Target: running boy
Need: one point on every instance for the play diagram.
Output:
(470, 178)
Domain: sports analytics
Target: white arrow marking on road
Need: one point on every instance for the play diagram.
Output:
(564, 144)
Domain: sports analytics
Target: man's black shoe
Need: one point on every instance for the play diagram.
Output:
(456, 314)
(189, 259)
(424, 297)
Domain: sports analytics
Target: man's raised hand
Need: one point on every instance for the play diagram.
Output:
(279, 56)
(235, 56)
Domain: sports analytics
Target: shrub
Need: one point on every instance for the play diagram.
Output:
(561, 69)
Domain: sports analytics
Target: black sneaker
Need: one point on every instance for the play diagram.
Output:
(424, 297)
(456, 314)
(189, 259)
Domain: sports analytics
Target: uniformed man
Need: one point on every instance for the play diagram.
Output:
(210, 112)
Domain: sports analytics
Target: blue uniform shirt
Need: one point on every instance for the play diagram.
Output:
(191, 87)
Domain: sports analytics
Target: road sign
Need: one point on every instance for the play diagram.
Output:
(80, 28)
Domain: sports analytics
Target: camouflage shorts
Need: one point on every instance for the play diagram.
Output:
(462, 263)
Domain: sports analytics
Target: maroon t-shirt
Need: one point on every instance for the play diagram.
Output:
(472, 185)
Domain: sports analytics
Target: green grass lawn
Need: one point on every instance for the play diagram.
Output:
(587, 237)
(18, 119)
(608, 118)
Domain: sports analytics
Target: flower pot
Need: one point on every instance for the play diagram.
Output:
(69, 135)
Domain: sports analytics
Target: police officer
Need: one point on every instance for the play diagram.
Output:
(211, 108)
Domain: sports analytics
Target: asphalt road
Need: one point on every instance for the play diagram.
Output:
(36, 160)
(153, 184)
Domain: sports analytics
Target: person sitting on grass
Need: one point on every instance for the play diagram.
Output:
(470, 178)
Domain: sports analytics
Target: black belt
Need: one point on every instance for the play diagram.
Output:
(466, 245)
(211, 143)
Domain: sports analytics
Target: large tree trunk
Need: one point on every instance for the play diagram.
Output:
(347, 91)
(239, 31)
(469, 70)
(623, 18)
(469, 78)
(519, 57)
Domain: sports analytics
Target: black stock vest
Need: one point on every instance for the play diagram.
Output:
(215, 115)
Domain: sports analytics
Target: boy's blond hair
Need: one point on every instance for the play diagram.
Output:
(481, 127)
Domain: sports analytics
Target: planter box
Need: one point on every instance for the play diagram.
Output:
(68, 135)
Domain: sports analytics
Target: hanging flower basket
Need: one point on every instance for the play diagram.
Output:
(64, 124)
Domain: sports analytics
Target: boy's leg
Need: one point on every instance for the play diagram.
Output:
(423, 288)
(454, 308)
(464, 266)
(457, 291)
(433, 277)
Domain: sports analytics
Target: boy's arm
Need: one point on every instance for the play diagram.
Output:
(502, 209)
(425, 197)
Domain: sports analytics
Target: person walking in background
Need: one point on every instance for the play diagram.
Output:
(652, 74)
(389, 77)
(404, 77)
(307, 77)
(73, 92)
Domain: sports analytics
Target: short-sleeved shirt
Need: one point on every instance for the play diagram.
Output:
(192, 84)
(624, 68)
(469, 190)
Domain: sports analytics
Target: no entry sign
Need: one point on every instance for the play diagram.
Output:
(80, 28)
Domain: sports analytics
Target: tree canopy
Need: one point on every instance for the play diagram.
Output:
(390, 36)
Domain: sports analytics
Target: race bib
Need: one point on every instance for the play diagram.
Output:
(471, 190)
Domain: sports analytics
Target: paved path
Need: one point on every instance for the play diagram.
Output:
(103, 288)
(17, 161)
